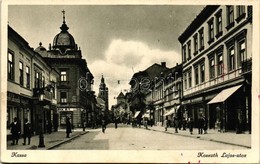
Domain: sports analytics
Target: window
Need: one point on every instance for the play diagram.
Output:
(202, 73)
(220, 63)
(27, 69)
(10, 66)
(189, 50)
(63, 97)
(240, 13)
(231, 55)
(201, 35)
(185, 81)
(63, 76)
(21, 73)
(218, 25)
(230, 17)
(195, 37)
(43, 81)
(184, 53)
(241, 52)
(190, 79)
(211, 31)
(196, 75)
(212, 67)
(37, 80)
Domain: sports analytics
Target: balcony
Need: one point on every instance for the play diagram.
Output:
(246, 66)
(63, 84)
(47, 95)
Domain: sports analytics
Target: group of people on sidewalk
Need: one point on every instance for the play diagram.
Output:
(15, 129)
(202, 124)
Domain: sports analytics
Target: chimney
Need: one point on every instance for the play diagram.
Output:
(163, 64)
(176, 64)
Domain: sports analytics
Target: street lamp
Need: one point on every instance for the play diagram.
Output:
(41, 137)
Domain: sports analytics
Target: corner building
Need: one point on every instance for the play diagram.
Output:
(217, 67)
(75, 97)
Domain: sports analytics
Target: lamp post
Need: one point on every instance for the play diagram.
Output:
(41, 137)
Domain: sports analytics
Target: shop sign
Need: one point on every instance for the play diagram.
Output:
(13, 97)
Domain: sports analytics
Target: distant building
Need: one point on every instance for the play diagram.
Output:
(75, 96)
(103, 93)
(217, 67)
(31, 85)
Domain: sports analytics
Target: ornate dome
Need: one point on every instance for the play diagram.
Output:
(40, 48)
(64, 40)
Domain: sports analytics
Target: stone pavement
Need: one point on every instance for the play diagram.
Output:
(231, 138)
(50, 140)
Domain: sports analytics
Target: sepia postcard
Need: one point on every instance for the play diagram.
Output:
(130, 81)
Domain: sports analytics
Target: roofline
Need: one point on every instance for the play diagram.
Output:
(195, 24)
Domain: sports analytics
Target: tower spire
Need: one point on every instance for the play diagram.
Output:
(64, 27)
(63, 12)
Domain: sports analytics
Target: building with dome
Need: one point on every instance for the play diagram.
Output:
(75, 97)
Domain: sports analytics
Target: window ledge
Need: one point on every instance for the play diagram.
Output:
(201, 48)
(240, 17)
(230, 25)
(219, 34)
(211, 41)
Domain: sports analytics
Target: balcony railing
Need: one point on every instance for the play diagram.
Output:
(246, 66)
(47, 95)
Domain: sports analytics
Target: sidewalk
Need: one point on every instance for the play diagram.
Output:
(50, 140)
(231, 138)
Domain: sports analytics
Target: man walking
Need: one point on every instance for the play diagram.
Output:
(68, 127)
(26, 132)
(15, 130)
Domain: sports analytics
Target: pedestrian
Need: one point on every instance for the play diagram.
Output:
(184, 123)
(27, 132)
(103, 124)
(165, 124)
(200, 124)
(190, 123)
(176, 124)
(68, 127)
(15, 130)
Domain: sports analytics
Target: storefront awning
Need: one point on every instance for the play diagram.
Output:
(136, 114)
(224, 95)
(172, 111)
(147, 115)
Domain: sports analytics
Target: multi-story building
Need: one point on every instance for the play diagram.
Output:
(217, 59)
(142, 83)
(75, 96)
(31, 85)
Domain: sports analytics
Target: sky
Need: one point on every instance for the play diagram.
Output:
(116, 40)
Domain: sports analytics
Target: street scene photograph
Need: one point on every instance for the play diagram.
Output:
(129, 77)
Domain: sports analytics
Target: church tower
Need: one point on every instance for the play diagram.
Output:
(103, 92)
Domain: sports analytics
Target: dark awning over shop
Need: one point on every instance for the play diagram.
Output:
(172, 111)
(224, 95)
(136, 114)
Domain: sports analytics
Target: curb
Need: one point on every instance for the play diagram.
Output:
(70, 139)
(202, 138)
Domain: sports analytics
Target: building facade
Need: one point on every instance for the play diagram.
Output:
(75, 97)
(31, 85)
(217, 60)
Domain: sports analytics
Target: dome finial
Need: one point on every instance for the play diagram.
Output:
(63, 12)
